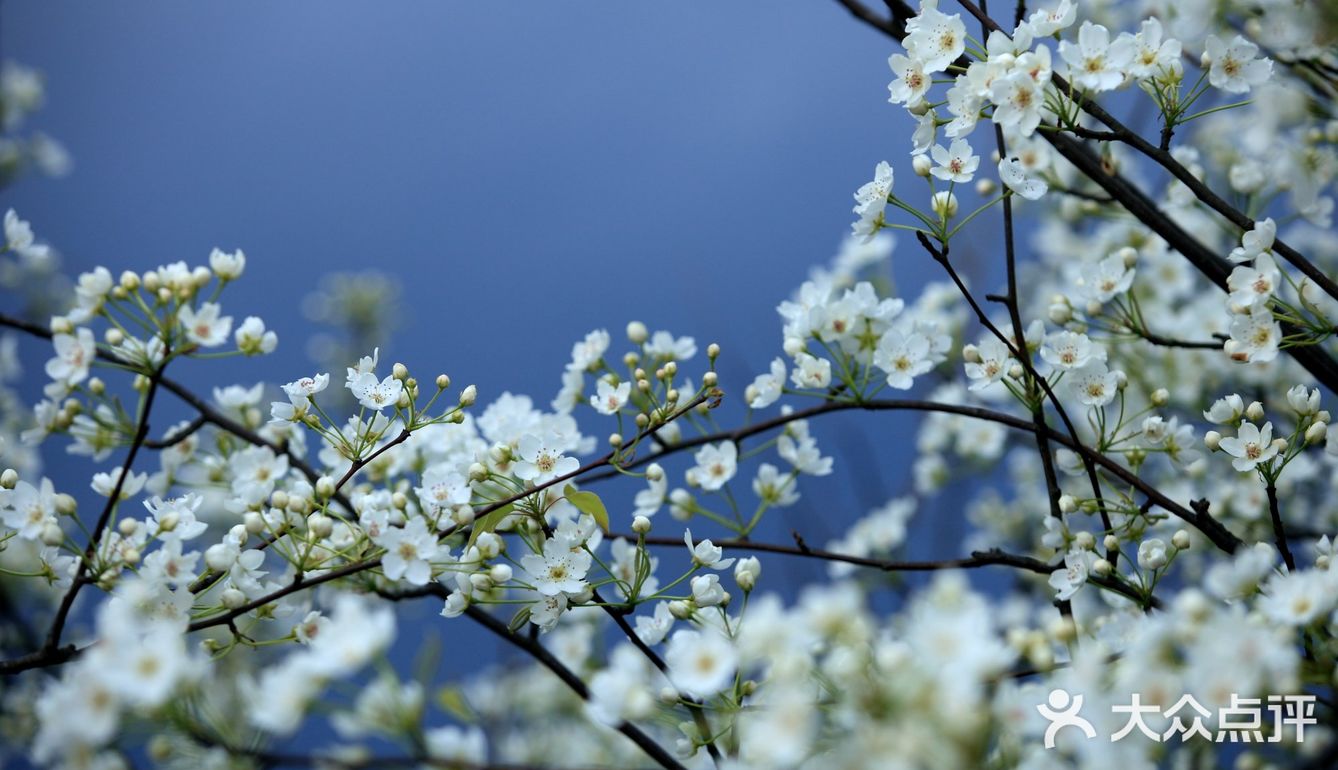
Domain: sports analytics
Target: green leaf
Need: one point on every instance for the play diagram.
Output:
(588, 502)
(488, 523)
(519, 620)
(452, 701)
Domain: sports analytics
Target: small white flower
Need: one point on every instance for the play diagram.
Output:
(935, 39)
(541, 461)
(912, 81)
(373, 393)
(902, 357)
(74, 354)
(227, 266)
(409, 551)
(1093, 384)
(561, 568)
(608, 399)
(956, 163)
(204, 326)
(1255, 241)
(1014, 176)
(1095, 63)
(716, 465)
(706, 553)
(1233, 67)
(871, 202)
(252, 338)
(811, 372)
(766, 388)
(1251, 446)
(1152, 554)
(701, 663)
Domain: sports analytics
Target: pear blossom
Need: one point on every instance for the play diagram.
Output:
(1094, 384)
(1255, 336)
(1015, 178)
(811, 372)
(1255, 241)
(541, 460)
(706, 553)
(956, 163)
(1070, 350)
(871, 203)
(1095, 62)
(609, 399)
(560, 569)
(902, 358)
(1233, 67)
(935, 39)
(701, 663)
(716, 465)
(409, 552)
(74, 354)
(28, 509)
(912, 81)
(1251, 446)
(376, 394)
(205, 326)
(253, 339)
(228, 266)
(766, 388)
(1044, 23)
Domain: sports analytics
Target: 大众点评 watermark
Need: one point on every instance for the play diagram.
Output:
(1240, 722)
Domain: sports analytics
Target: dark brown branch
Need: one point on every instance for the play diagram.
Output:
(978, 559)
(1200, 519)
(1279, 533)
(178, 436)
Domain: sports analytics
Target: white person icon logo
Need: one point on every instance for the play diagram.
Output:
(1062, 712)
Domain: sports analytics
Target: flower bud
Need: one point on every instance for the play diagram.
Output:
(218, 557)
(1280, 444)
(922, 165)
(1085, 540)
(114, 336)
(129, 280)
(462, 515)
(399, 500)
(944, 204)
(1212, 439)
(746, 573)
(1316, 432)
(793, 346)
(65, 504)
(1160, 397)
(637, 333)
(1128, 255)
(710, 379)
(232, 598)
(1102, 568)
(469, 395)
(986, 187)
(1180, 540)
(254, 522)
(1111, 543)
(712, 351)
(971, 354)
(319, 525)
(1152, 554)
(681, 609)
(127, 527)
(325, 487)
(52, 534)
(641, 525)
(1254, 412)
(1067, 503)
(9, 478)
